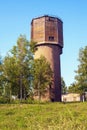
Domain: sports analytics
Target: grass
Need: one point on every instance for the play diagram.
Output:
(47, 116)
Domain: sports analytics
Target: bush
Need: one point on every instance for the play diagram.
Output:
(4, 100)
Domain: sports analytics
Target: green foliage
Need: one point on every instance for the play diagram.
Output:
(1, 79)
(81, 76)
(52, 116)
(16, 69)
(32, 46)
(63, 86)
(4, 100)
(42, 76)
(73, 88)
(20, 74)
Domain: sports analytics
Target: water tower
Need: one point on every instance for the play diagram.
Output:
(47, 31)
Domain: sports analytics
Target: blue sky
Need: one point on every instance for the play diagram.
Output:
(16, 16)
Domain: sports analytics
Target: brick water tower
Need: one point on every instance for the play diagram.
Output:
(47, 31)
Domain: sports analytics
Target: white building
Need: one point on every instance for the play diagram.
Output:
(71, 97)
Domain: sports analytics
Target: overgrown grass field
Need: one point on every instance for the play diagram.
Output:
(46, 116)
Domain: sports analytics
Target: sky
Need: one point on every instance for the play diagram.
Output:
(16, 16)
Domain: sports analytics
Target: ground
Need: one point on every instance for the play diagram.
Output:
(46, 116)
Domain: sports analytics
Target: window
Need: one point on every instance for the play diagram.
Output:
(51, 38)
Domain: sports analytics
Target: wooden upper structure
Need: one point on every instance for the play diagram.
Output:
(47, 29)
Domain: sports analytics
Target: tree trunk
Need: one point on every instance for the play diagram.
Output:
(39, 93)
(10, 94)
(20, 87)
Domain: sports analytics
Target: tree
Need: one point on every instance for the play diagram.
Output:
(1, 82)
(7, 73)
(81, 77)
(42, 74)
(17, 67)
(63, 86)
(19, 71)
(73, 88)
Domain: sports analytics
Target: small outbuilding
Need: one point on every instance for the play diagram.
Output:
(71, 97)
